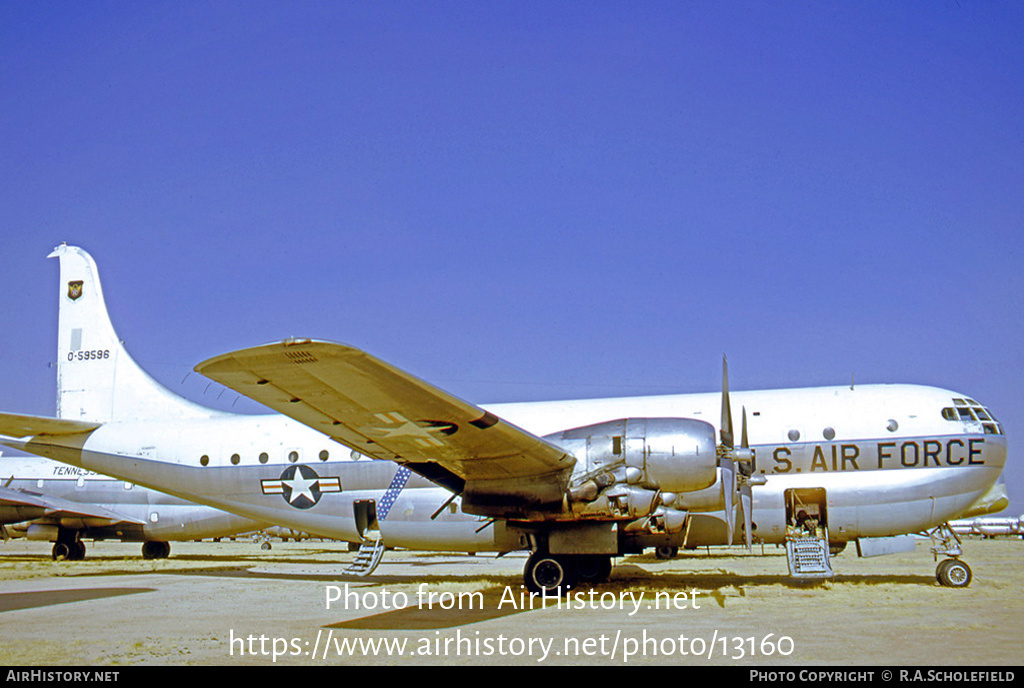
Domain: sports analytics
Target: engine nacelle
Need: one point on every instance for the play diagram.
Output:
(671, 454)
(37, 531)
(619, 502)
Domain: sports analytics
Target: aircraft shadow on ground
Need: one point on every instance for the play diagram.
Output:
(11, 601)
(505, 600)
(624, 574)
(623, 577)
(492, 592)
(481, 605)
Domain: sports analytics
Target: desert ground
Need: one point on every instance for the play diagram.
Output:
(233, 603)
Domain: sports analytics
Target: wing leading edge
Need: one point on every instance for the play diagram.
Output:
(386, 413)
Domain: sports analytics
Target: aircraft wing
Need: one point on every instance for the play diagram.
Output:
(14, 425)
(55, 507)
(386, 413)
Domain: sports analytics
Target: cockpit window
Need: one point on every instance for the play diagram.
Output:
(969, 410)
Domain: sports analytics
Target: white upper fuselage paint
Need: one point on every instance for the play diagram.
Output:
(892, 465)
(889, 461)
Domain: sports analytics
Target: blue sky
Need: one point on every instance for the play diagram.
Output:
(527, 200)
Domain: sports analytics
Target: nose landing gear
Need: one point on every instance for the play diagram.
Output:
(951, 572)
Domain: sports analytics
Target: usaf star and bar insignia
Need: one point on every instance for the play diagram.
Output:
(300, 486)
(423, 433)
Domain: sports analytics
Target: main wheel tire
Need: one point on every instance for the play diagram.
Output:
(549, 575)
(594, 569)
(666, 552)
(954, 573)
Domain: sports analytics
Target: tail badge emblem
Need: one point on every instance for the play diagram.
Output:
(74, 289)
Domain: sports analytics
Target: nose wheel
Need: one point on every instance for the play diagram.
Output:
(953, 573)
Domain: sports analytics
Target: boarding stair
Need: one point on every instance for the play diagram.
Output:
(808, 555)
(371, 551)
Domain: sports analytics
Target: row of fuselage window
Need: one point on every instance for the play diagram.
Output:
(264, 457)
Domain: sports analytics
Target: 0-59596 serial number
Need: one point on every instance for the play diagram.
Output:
(90, 355)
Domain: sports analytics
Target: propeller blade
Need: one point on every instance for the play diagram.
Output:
(747, 506)
(726, 431)
(743, 431)
(729, 489)
(737, 466)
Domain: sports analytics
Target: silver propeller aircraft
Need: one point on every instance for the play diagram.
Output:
(365, 452)
(45, 500)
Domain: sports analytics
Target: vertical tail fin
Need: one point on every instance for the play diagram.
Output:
(96, 378)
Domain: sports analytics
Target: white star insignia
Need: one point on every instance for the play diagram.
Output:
(300, 487)
(406, 429)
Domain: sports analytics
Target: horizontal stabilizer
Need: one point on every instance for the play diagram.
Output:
(62, 508)
(15, 425)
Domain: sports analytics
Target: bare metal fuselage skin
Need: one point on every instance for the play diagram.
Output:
(891, 459)
(149, 515)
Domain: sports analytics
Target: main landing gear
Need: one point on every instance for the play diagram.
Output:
(68, 550)
(68, 546)
(666, 552)
(153, 549)
(557, 574)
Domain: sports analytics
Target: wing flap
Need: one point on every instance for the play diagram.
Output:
(386, 413)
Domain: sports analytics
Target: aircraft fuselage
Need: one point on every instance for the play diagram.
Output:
(886, 459)
(150, 515)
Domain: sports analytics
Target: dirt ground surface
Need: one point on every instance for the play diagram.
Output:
(232, 603)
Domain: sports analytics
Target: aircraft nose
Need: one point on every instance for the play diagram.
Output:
(995, 448)
(970, 411)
